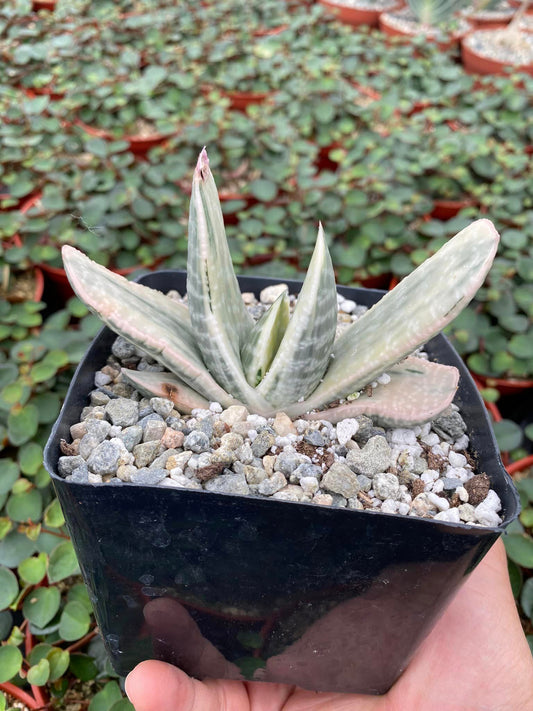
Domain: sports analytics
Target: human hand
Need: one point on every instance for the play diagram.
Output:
(475, 659)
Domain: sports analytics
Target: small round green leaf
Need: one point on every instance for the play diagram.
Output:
(74, 621)
(30, 458)
(508, 435)
(122, 705)
(10, 474)
(79, 593)
(526, 598)
(41, 605)
(10, 662)
(22, 423)
(519, 547)
(26, 506)
(53, 515)
(32, 570)
(103, 700)
(40, 673)
(9, 587)
(83, 667)
(63, 562)
(59, 660)
(515, 576)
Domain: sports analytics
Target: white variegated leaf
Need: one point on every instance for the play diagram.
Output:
(305, 350)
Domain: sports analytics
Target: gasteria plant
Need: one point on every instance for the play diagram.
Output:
(433, 12)
(215, 352)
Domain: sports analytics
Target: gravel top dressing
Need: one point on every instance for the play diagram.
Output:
(510, 46)
(425, 471)
(366, 4)
(404, 21)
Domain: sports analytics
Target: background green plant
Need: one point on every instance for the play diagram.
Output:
(358, 132)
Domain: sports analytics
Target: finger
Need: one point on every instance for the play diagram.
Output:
(157, 686)
(177, 639)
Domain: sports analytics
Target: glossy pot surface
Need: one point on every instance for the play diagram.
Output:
(242, 587)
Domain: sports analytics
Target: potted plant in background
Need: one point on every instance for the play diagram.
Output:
(497, 51)
(224, 610)
(359, 12)
(433, 20)
(488, 13)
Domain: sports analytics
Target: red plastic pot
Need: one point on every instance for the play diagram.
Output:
(240, 100)
(139, 145)
(389, 27)
(505, 386)
(476, 63)
(43, 5)
(356, 16)
(446, 209)
(520, 465)
(485, 20)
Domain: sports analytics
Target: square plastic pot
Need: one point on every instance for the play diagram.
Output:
(329, 599)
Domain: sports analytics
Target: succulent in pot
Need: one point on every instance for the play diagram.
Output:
(224, 568)
(435, 20)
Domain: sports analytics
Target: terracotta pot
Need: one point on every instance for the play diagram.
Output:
(520, 465)
(239, 100)
(475, 63)
(505, 386)
(139, 145)
(446, 209)
(38, 276)
(484, 20)
(355, 16)
(388, 27)
(43, 5)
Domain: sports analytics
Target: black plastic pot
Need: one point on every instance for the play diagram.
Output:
(242, 587)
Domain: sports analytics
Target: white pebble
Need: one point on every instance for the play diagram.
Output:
(458, 473)
(402, 435)
(347, 306)
(390, 506)
(456, 459)
(492, 501)
(384, 379)
(467, 513)
(252, 434)
(451, 515)
(346, 429)
(403, 508)
(431, 439)
(462, 443)
(428, 477)
(439, 501)
(256, 421)
(438, 486)
(215, 407)
(486, 515)
(462, 493)
(438, 451)
(94, 478)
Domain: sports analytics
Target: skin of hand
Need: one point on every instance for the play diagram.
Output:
(475, 659)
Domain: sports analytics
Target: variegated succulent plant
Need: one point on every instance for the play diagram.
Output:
(214, 351)
(433, 12)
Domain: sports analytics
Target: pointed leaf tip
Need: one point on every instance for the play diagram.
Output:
(202, 166)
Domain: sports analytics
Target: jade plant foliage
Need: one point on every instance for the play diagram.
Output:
(215, 351)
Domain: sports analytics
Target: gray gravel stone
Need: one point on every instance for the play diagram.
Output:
(150, 477)
(287, 462)
(340, 479)
(306, 469)
(98, 428)
(80, 475)
(131, 436)
(154, 430)
(373, 458)
(386, 486)
(87, 444)
(450, 425)
(122, 412)
(315, 438)
(262, 443)
(274, 483)
(122, 349)
(66, 465)
(146, 452)
(105, 458)
(229, 484)
(162, 406)
(196, 441)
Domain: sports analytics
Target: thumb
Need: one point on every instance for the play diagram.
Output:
(158, 686)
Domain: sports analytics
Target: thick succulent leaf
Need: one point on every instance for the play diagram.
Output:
(145, 317)
(413, 312)
(218, 314)
(418, 392)
(305, 350)
(433, 12)
(154, 384)
(263, 342)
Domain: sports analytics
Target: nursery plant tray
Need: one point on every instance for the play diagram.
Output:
(329, 599)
